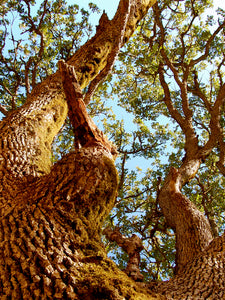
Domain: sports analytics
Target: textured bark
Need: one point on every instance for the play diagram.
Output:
(47, 228)
(202, 278)
(193, 232)
(200, 262)
(51, 216)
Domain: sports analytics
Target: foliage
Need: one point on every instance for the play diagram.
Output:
(33, 38)
(131, 106)
(194, 47)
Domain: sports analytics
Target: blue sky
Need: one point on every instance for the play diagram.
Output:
(109, 6)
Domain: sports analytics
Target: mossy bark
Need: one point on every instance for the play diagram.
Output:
(51, 216)
(50, 242)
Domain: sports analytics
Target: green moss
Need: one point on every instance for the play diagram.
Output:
(46, 124)
(101, 279)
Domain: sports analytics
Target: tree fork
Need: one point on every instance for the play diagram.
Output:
(85, 131)
(39, 120)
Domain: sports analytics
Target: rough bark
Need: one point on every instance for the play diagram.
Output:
(199, 258)
(202, 278)
(51, 217)
(193, 232)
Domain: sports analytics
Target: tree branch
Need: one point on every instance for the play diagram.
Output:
(132, 246)
(193, 232)
(119, 37)
(103, 42)
(207, 46)
(85, 131)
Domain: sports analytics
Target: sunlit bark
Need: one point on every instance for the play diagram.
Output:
(51, 216)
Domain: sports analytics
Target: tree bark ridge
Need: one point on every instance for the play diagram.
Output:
(202, 278)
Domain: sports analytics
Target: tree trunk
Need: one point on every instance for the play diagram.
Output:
(199, 259)
(202, 278)
(51, 216)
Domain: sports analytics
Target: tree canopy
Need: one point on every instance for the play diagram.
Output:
(170, 79)
(168, 83)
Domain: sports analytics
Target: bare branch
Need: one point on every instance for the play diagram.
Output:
(85, 131)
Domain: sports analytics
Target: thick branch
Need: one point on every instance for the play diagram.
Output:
(90, 59)
(193, 232)
(46, 109)
(119, 37)
(85, 131)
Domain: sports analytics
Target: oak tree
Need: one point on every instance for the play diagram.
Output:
(52, 215)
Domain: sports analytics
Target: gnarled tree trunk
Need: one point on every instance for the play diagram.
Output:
(51, 216)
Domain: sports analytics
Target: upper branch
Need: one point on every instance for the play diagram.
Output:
(39, 120)
(91, 58)
(207, 46)
(119, 37)
(85, 131)
(38, 31)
